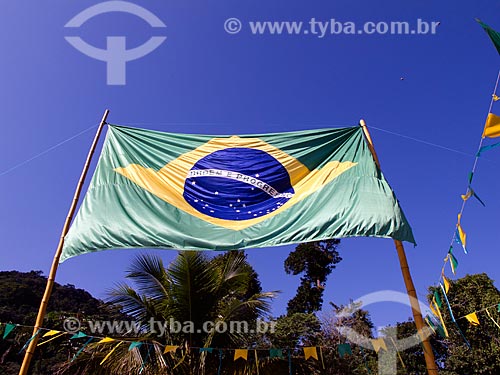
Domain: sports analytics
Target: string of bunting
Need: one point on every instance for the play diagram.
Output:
(491, 130)
(314, 352)
(472, 317)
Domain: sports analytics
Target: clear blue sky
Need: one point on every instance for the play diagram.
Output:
(204, 80)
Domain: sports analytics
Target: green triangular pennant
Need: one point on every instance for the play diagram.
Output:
(471, 176)
(453, 261)
(134, 344)
(479, 199)
(494, 35)
(440, 331)
(275, 353)
(437, 297)
(486, 148)
(8, 329)
(28, 342)
(344, 349)
(78, 335)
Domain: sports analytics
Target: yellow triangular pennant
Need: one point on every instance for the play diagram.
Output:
(495, 97)
(106, 339)
(432, 307)
(462, 234)
(446, 284)
(440, 318)
(428, 321)
(170, 348)
(51, 333)
(379, 344)
(53, 338)
(472, 318)
(111, 352)
(468, 194)
(492, 126)
(310, 352)
(241, 353)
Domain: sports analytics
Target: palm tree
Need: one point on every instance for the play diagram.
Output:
(192, 290)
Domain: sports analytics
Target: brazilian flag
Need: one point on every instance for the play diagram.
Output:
(182, 191)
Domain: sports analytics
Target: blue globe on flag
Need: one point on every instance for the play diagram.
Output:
(237, 184)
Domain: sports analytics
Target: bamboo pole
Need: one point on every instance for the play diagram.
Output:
(410, 287)
(55, 263)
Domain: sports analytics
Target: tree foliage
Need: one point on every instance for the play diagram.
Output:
(295, 330)
(411, 360)
(362, 361)
(20, 296)
(315, 261)
(466, 295)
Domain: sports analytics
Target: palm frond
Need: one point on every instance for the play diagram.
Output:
(237, 313)
(148, 272)
(132, 303)
(233, 274)
(258, 305)
(192, 286)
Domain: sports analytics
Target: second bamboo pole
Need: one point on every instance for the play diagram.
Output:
(410, 287)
